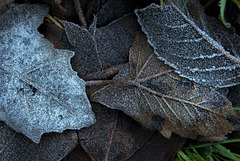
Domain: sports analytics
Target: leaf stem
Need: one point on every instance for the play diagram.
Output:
(115, 81)
(80, 13)
(103, 74)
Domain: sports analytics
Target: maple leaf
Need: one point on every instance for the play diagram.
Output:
(151, 93)
(39, 91)
(196, 46)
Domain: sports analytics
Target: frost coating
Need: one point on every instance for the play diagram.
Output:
(40, 92)
(191, 46)
(161, 100)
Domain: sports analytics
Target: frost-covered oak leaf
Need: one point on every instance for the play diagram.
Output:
(39, 91)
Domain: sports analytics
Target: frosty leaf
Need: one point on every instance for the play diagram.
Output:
(151, 93)
(101, 48)
(184, 40)
(115, 39)
(86, 59)
(2, 10)
(39, 91)
(53, 146)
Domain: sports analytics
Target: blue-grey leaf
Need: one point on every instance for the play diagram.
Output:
(187, 40)
(39, 91)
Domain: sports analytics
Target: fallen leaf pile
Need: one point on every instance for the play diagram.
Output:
(167, 67)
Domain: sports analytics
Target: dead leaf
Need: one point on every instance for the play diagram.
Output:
(112, 10)
(40, 92)
(113, 137)
(54, 146)
(55, 35)
(188, 41)
(151, 93)
(159, 148)
(234, 95)
(115, 39)
(101, 48)
(116, 136)
(86, 59)
(77, 154)
(3, 9)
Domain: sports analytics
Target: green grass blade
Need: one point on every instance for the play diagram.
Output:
(185, 3)
(229, 141)
(219, 158)
(222, 9)
(194, 156)
(207, 154)
(226, 152)
(210, 144)
(236, 108)
(237, 3)
(183, 155)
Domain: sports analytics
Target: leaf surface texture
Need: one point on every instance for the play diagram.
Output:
(39, 91)
(53, 146)
(196, 46)
(151, 93)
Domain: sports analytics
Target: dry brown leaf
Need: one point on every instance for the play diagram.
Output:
(151, 93)
(116, 136)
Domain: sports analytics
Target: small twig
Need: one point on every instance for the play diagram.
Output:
(103, 74)
(80, 13)
(54, 21)
(103, 82)
(115, 81)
